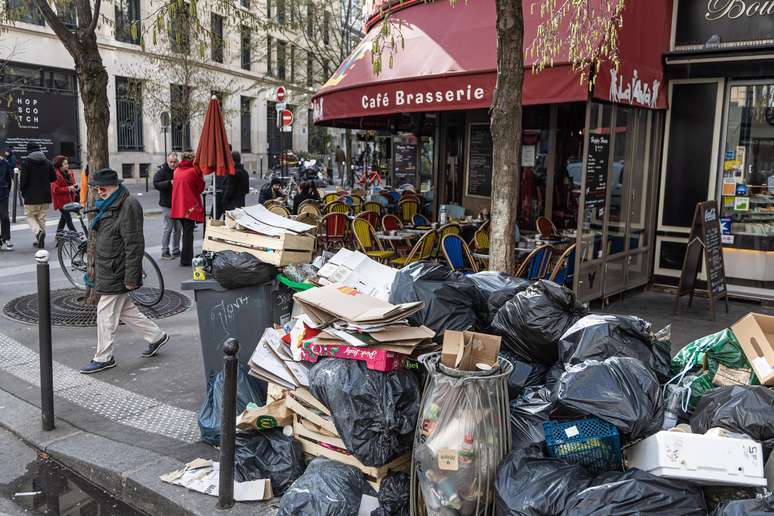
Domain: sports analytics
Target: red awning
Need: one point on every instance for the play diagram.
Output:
(448, 62)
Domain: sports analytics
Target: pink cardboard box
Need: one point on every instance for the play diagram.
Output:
(375, 359)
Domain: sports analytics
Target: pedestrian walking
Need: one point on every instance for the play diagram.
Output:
(37, 174)
(63, 191)
(162, 181)
(6, 176)
(116, 241)
(187, 205)
(236, 187)
(341, 160)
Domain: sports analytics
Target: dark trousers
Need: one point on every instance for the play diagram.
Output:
(65, 219)
(186, 251)
(5, 221)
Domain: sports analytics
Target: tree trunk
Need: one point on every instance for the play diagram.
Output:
(506, 135)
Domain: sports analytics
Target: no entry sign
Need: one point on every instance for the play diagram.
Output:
(287, 117)
(280, 93)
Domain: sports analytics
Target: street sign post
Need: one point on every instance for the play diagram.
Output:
(281, 106)
(280, 94)
(287, 117)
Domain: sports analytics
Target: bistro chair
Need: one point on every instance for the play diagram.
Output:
(449, 229)
(564, 270)
(330, 197)
(371, 217)
(366, 240)
(271, 202)
(337, 207)
(373, 207)
(334, 230)
(407, 209)
(313, 219)
(546, 228)
(480, 240)
(535, 266)
(393, 196)
(391, 222)
(307, 203)
(456, 252)
(357, 203)
(279, 209)
(310, 207)
(420, 220)
(422, 250)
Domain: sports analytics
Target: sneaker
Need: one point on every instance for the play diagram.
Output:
(41, 239)
(96, 367)
(166, 256)
(175, 254)
(154, 347)
(6, 246)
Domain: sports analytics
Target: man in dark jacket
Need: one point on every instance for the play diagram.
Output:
(269, 191)
(236, 187)
(117, 243)
(6, 175)
(162, 181)
(37, 174)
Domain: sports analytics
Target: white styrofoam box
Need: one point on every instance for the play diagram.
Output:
(701, 459)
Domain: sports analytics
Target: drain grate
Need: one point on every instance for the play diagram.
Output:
(67, 308)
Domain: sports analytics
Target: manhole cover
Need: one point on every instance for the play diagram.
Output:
(67, 308)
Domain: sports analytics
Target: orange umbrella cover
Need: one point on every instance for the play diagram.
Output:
(213, 153)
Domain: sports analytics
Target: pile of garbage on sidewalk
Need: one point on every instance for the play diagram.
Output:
(428, 391)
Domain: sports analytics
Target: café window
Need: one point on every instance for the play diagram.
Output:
(747, 184)
(24, 11)
(129, 114)
(128, 14)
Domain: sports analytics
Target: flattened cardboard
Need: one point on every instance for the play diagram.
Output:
(346, 303)
(464, 349)
(755, 333)
(396, 333)
(271, 415)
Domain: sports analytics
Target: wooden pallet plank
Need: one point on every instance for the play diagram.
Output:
(306, 413)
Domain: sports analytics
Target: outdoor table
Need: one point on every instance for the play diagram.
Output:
(400, 236)
(416, 232)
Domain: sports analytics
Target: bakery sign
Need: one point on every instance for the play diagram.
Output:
(724, 23)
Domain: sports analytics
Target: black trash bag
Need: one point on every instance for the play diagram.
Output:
(553, 374)
(327, 488)
(523, 374)
(534, 320)
(528, 413)
(452, 302)
(637, 492)
(597, 337)
(529, 485)
(268, 454)
(746, 409)
(235, 270)
(753, 507)
(619, 390)
(497, 288)
(394, 495)
(375, 413)
(249, 389)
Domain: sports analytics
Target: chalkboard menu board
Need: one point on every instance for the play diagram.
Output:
(404, 164)
(480, 160)
(705, 236)
(596, 170)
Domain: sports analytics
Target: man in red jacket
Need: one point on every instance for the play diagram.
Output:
(187, 188)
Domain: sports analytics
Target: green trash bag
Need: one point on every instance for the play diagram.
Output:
(714, 350)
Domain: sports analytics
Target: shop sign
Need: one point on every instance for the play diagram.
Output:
(633, 89)
(407, 98)
(724, 22)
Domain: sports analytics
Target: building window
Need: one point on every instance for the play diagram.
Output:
(268, 9)
(128, 13)
(129, 114)
(269, 66)
(216, 37)
(65, 11)
(282, 48)
(246, 55)
(144, 169)
(127, 170)
(281, 12)
(292, 63)
(24, 11)
(179, 99)
(310, 20)
(309, 69)
(245, 4)
(326, 30)
(245, 121)
(179, 30)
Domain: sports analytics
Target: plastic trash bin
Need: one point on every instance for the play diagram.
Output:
(243, 313)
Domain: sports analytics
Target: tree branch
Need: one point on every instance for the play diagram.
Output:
(94, 17)
(63, 33)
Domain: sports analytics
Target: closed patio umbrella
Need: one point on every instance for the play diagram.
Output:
(213, 155)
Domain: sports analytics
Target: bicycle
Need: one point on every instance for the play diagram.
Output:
(71, 252)
(367, 179)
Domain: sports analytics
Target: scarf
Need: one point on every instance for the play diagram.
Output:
(102, 206)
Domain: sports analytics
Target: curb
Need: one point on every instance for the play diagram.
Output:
(129, 473)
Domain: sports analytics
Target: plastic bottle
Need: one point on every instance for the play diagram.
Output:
(442, 216)
(674, 400)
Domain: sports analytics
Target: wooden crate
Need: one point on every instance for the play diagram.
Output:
(277, 251)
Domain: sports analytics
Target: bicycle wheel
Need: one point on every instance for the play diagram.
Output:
(71, 253)
(152, 289)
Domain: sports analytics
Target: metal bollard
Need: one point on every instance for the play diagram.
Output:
(15, 194)
(228, 425)
(147, 173)
(44, 336)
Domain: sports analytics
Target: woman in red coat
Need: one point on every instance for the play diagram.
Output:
(187, 188)
(62, 192)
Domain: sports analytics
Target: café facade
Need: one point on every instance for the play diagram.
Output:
(591, 155)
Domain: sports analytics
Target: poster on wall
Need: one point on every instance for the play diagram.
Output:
(46, 118)
(479, 160)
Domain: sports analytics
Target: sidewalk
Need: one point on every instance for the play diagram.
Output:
(123, 428)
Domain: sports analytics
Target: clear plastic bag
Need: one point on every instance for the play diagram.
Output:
(462, 435)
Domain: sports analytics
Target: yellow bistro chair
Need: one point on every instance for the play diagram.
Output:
(366, 240)
(337, 207)
(279, 210)
(408, 208)
(422, 250)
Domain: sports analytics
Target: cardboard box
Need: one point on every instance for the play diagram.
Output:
(375, 359)
(341, 302)
(272, 415)
(755, 333)
(464, 350)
